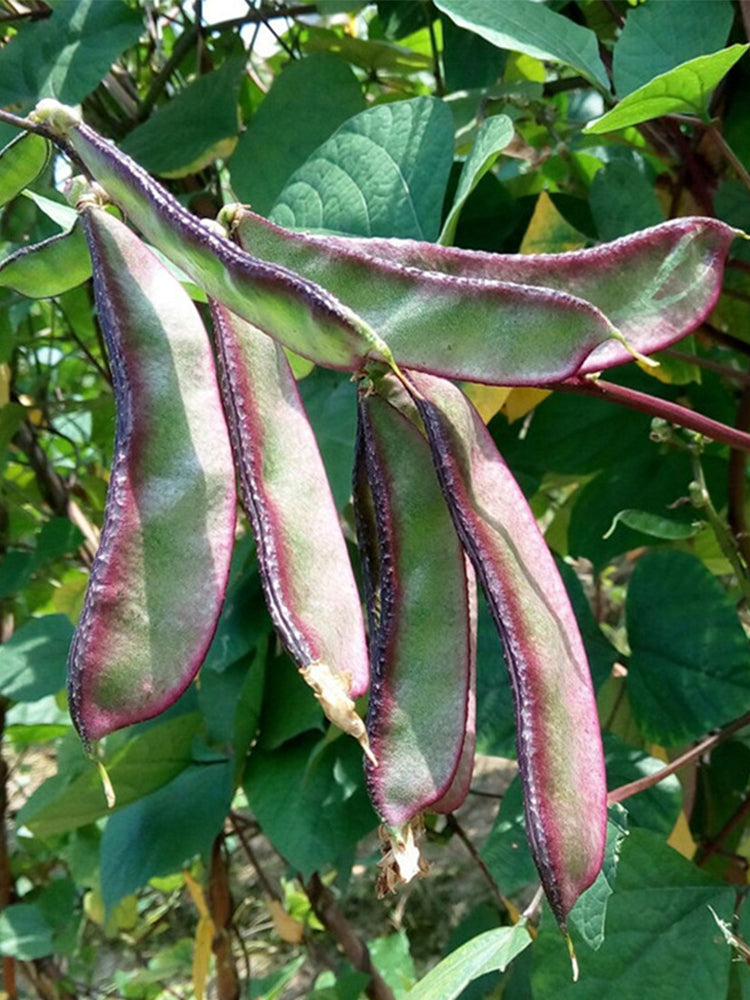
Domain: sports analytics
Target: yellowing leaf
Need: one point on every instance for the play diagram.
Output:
(221, 150)
(488, 399)
(548, 231)
(196, 894)
(204, 936)
(288, 929)
(521, 401)
(681, 839)
(4, 384)
(522, 67)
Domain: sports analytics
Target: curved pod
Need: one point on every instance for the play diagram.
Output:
(304, 566)
(421, 644)
(674, 273)
(48, 268)
(159, 577)
(557, 727)
(293, 310)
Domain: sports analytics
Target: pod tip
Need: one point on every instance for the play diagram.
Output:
(573, 959)
(109, 792)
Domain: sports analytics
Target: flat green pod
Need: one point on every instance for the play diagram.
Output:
(48, 268)
(21, 162)
(158, 581)
(421, 641)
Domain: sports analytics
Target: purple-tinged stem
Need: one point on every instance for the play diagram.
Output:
(656, 407)
(649, 780)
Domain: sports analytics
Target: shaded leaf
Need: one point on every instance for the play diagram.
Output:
(683, 682)
(24, 932)
(284, 131)
(32, 661)
(146, 762)
(309, 798)
(648, 945)
(531, 28)
(198, 125)
(407, 146)
(159, 832)
(623, 200)
(493, 136)
(66, 55)
(660, 35)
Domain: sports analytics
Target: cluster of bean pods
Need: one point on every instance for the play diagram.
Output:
(436, 507)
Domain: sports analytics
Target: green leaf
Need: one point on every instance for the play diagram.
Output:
(686, 89)
(658, 921)
(330, 403)
(58, 211)
(67, 54)
(309, 798)
(470, 62)
(493, 136)
(660, 35)
(32, 661)
(289, 706)
(683, 682)
(383, 173)
(523, 26)
(24, 932)
(506, 851)
(623, 200)
(11, 418)
(651, 524)
(21, 162)
(159, 833)
(657, 483)
(391, 957)
(285, 130)
(655, 808)
(489, 952)
(590, 911)
(52, 267)
(146, 762)
(196, 127)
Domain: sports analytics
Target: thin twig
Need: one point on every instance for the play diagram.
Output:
(743, 378)
(725, 538)
(268, 888)
(737, 475)
(328, 913)
(655, 407)
(436, 70)
(649, 780)
(711, 847)
(455, 827)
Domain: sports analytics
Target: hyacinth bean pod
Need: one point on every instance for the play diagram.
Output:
(48, 268)
(307, 577)
(474, 329)
(557, 728)
(293, 310)
(421, 642)
(159, 577)
(21, 162)
(459, 788)
(674, 273)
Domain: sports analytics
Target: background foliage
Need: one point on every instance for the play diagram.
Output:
(242, 839)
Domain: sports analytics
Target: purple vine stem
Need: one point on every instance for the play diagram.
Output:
(655, 407)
